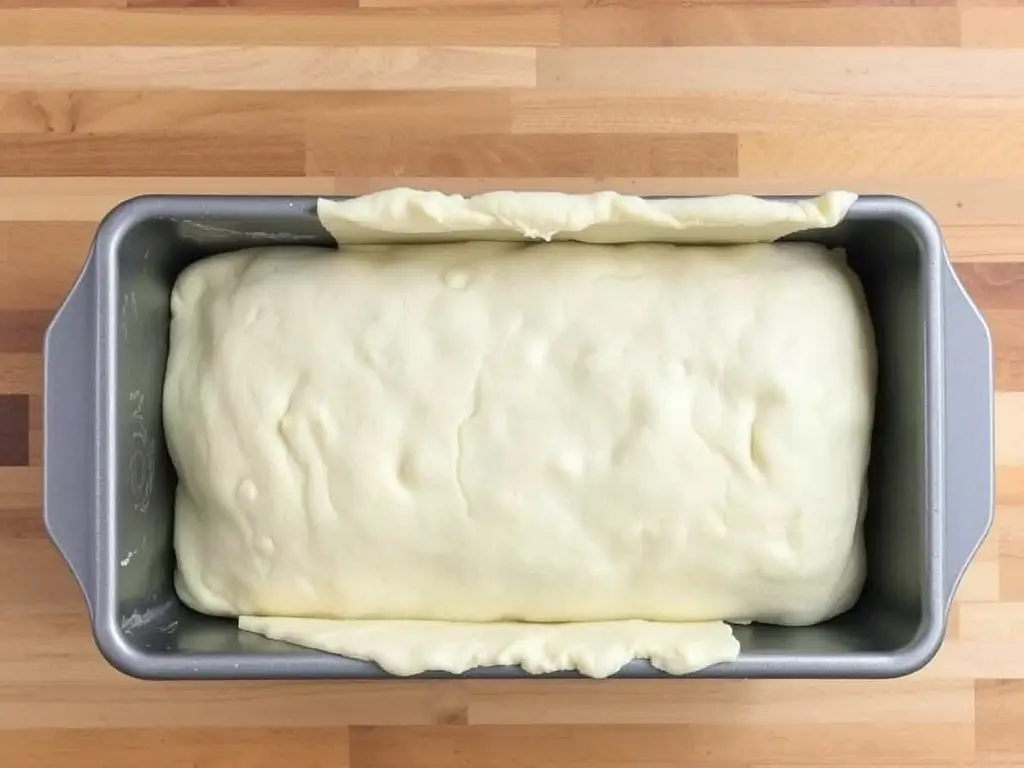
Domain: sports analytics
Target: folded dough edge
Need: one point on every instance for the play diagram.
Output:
(412, 215)
(595, 649)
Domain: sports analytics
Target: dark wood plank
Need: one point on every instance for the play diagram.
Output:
(22, 330)
(14, 450)
(150, 155)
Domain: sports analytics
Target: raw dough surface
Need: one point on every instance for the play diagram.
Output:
(595, 649)
(417, 215)
(495, 431)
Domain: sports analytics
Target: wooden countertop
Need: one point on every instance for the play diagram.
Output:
(99, 102)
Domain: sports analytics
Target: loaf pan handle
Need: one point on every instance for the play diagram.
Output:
(69, 431)
(968, 449)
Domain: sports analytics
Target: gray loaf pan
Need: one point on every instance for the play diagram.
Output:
(109, 484)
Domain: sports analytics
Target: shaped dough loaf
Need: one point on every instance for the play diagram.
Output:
(509, 432)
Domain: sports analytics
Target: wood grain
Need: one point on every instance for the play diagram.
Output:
(329, 25)
(655, 745)
(668, 25)
(267, 113)
(13, 430)
(246, 68)
(165, 154)
(525, 156)
(882, 71)
(101, 100)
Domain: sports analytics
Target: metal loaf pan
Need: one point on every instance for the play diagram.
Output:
(109, 485)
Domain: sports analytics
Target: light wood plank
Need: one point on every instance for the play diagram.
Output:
(674, 25)
(653, 745)
(853, 71)
(909, 700)
(39, 262)
(981, 583)
(330, 26)
(21, 373)
(266, 68)
(999, 705)
(523, 156)
(992, 27)
(219, 113)
(1009, 442)
(985, 243)
(781, 110)
(933, 153)
(210, 747)
(635, 3)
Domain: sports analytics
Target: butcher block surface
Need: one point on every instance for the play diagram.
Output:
(104, 99)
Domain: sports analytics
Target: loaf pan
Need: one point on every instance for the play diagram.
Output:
(109, 484)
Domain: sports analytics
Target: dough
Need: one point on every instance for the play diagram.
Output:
(415, 215)
(595, 649)
(503, 432)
